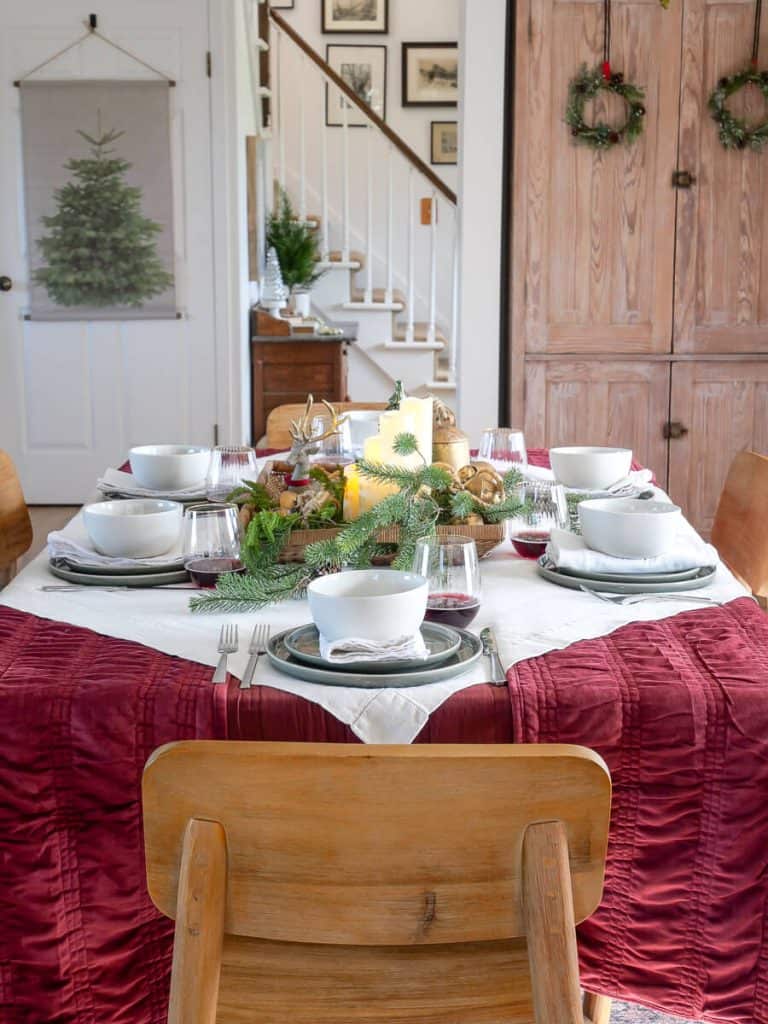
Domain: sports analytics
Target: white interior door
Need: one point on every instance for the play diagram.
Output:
(74, 396)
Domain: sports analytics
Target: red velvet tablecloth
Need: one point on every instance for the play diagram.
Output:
(678, 708)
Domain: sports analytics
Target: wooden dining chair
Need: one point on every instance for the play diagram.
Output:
(740, 530)
(326, 883)
(279, 419)
(15, 524)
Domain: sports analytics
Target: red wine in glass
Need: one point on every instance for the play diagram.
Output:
(531, 543)
(452, 609)
(206, 571)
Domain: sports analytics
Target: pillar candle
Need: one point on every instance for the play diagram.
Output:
(421, 411)
(351, 493)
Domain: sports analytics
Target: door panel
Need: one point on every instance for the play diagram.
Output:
(596, 402)
(74, 396)
(724, 405)
(721, 276)
(593, 246)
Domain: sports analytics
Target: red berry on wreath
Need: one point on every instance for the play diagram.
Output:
(614, 137)
(741, 144)
(617, 78)
(723, 83)
(575, 132)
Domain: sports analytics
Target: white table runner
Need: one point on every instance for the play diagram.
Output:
(530, 617)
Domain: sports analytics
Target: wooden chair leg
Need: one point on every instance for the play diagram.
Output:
(199, 935)
(549, 925)
(597, 1009)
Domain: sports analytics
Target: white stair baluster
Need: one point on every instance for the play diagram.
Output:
(325, 244)
(455, 297)
(409, 331)
(368, 213)
(280, 125)
(345, 176)
(389, 289)
(302, 142)
(432, 267)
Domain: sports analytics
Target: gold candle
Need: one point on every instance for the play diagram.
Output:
(351, 493)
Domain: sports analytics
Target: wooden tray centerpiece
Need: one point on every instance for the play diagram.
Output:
(302, 519)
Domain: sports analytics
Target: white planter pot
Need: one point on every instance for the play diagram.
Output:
(300, 302)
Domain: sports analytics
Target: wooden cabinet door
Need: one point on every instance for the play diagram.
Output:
(721, 273)
(593, 245)
(623, 404)
(724, 406)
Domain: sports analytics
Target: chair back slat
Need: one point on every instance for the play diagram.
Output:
(279, 419)
(740, 533)
(376, 846)
(15, 524)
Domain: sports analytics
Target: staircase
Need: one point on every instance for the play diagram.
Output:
(385, 269)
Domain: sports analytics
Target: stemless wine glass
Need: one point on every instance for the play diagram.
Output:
(451, 567)
(229, 466)
(335, 448)
(546, 510)
(503, 447)
(211, 542)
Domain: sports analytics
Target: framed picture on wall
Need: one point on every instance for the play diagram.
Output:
(355, 15)
(282, 5)
(430, 74)
(364, 70)
(443, 142)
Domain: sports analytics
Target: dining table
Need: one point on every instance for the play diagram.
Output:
(673, 696)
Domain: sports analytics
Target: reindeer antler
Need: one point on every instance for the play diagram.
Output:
(301, 429)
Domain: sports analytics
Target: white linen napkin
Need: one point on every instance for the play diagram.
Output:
(115, 481)
(352, 649)
(636, 480)
(569, 551)
(77, 550)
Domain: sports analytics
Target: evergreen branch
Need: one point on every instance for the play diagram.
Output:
(405, 444)
(235, 593)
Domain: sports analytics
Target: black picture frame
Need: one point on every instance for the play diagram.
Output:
(330, 28)
(433, 158)
(356, 118)
(407, 99)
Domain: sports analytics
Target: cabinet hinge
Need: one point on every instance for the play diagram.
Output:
(208, 63)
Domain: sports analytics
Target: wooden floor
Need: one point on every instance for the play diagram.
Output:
(45, 519)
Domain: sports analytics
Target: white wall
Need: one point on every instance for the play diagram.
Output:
(481, 160)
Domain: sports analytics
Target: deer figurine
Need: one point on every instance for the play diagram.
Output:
(304, 443)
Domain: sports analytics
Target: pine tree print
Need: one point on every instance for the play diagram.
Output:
(100, 250)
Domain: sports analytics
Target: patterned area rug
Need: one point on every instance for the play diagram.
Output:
(629, 1013)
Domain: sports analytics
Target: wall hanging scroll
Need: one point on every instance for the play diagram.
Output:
(733, 131)
(98, 196)
(586, 86)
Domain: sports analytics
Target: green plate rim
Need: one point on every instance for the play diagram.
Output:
(157, 579)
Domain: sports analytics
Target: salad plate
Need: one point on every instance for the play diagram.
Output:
(441, 641)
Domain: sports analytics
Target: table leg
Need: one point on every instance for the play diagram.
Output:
(597, 1009)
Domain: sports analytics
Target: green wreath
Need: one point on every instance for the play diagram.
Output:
(733, 131)
(585, 86)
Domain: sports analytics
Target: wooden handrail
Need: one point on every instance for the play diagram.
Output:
(413, 158)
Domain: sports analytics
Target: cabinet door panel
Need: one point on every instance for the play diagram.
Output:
(721, 273)
(725, 408)
(593, 248)
(596, 402)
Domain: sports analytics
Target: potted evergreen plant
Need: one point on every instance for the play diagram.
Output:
(296, 248)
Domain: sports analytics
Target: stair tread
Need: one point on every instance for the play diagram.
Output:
(334, 256)
(420, 332)
(378, 296)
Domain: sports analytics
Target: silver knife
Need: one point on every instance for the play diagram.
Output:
(491, 652)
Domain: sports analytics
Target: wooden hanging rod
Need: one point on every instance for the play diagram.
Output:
(413, 158)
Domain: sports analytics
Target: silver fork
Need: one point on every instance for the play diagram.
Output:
(637, 598)
(256, 648)
(228, 644)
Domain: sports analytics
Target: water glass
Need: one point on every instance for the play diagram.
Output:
(504, 448)
(211, 542)
(229, 466)
(451, 566)
(335, 448)
(547, 509)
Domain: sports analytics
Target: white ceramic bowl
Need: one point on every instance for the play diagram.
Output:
(133, 528)
(169, 467)
(629, 527)
(372, 604)
(590, 468)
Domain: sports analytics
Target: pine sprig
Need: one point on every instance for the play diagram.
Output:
(235, 594)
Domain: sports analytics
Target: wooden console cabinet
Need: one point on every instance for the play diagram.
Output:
(285, 369)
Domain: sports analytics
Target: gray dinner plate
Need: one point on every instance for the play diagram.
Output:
(702, 578)
(303, 644)
(629, 577)
(150, 579)
(172, 565)
(468, 652)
